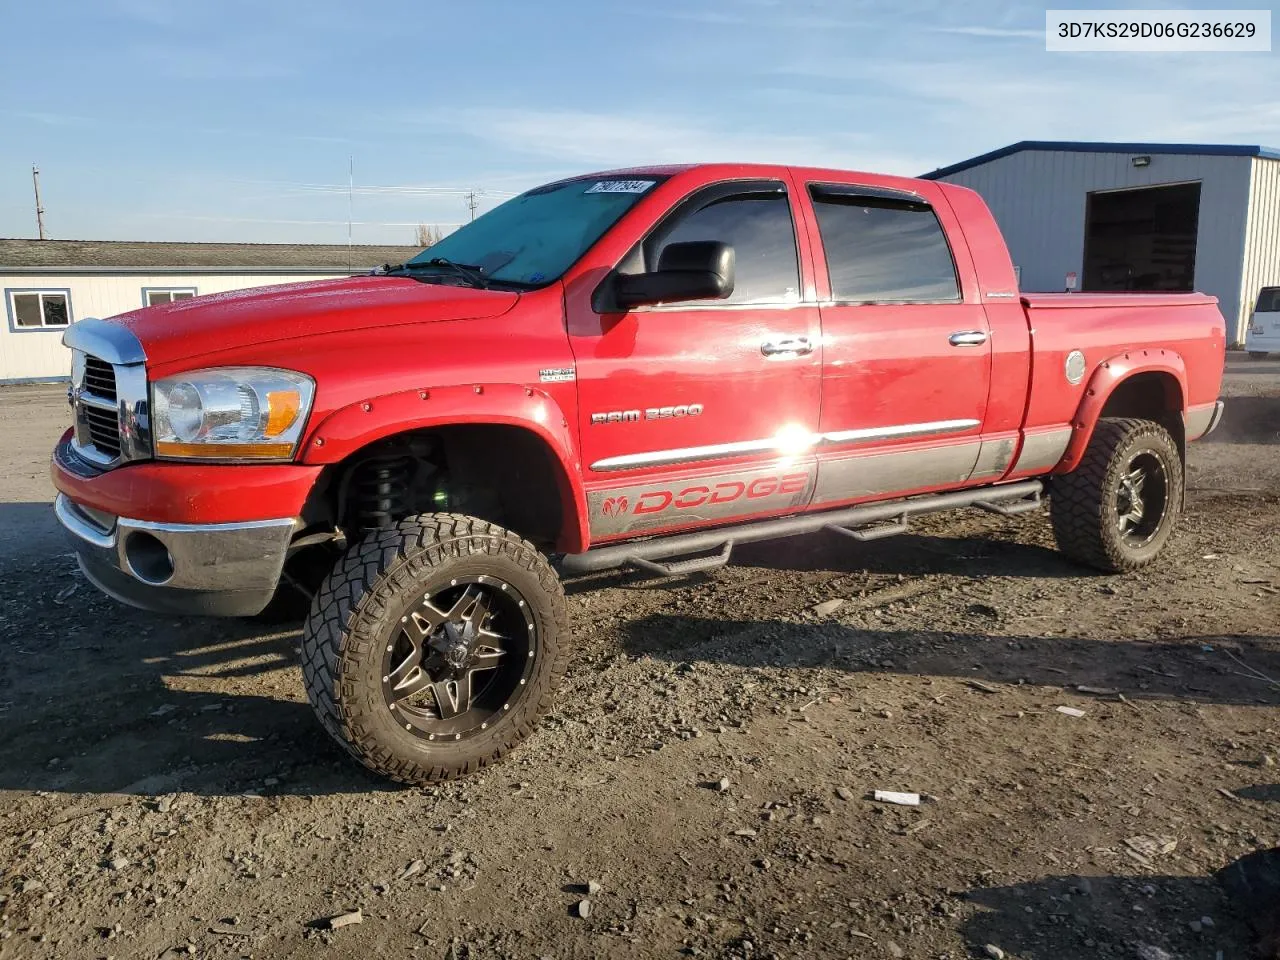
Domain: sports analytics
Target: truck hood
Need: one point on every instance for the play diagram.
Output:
(221, 321)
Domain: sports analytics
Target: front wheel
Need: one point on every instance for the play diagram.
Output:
(1117, 509)
(434, 646)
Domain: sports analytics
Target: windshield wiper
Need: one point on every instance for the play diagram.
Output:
(469, 272)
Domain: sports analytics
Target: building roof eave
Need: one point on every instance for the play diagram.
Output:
(1085, 146)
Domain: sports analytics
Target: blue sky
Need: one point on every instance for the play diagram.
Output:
(234, 120)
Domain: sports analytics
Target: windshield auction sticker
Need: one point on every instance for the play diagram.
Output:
(621, 186)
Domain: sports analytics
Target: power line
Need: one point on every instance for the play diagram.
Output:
(393, 189)
(312, 222)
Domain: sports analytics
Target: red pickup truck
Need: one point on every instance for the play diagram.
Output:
(636, 368)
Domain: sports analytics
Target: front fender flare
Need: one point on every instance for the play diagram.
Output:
(354, 427)
(1109, 375)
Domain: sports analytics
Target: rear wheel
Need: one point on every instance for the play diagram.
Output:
(435, 646)
(1117, 509)
(1258, 354)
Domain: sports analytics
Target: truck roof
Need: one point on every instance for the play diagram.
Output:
(731, 170)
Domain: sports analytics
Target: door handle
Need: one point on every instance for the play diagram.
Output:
(968, 338)
(787, 347)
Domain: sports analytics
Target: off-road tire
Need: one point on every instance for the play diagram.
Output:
(1082, 503)
(358, 606)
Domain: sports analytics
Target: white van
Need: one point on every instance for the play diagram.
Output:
(1263, 335)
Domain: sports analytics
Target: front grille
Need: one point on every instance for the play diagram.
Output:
(97, 410)
(104, 430)
(108, 394)
(100, 378)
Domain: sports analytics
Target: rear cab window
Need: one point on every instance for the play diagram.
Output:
(883, 246)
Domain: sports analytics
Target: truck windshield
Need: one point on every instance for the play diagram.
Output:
(534, 238)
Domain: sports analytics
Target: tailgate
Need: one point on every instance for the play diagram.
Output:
(1266, 324)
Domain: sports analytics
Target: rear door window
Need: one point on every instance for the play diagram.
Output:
(1269, 300)
(883, 247)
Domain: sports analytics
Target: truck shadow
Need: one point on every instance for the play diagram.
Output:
(920, 553)
(96, 697)
(29, 532)
(1249, 420)
(1191, 668)
(1068, 917)
(99, 698)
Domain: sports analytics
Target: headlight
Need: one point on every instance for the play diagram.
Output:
(230, 413)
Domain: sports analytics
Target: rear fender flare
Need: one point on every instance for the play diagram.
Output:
(354, 427)
(1109, 375)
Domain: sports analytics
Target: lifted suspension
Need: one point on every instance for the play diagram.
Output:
(380, 492)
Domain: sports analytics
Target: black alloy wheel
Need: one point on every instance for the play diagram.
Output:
(456, 660)
(1142, 498)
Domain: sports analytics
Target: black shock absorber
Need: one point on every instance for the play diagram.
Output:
(380, 492)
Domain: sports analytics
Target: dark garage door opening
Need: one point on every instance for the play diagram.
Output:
(1142, 239)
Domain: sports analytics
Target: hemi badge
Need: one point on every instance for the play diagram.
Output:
(557, 375)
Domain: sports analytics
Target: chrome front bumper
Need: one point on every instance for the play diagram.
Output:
(214, 569)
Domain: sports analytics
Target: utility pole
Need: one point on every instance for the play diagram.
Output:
(472, 203)
(35, 180)
(351, 205)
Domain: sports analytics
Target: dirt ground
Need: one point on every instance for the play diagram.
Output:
(166, 791)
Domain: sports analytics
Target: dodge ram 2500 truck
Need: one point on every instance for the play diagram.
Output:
(638, 368)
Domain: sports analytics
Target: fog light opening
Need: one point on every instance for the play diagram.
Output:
(149, 559)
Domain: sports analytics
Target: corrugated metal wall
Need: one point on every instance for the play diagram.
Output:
(31, 354)
(1262, 235)
(1039, 199)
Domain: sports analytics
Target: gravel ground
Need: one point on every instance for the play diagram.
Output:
(703, 783)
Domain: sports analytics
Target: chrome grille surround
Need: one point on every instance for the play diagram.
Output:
(112, 420)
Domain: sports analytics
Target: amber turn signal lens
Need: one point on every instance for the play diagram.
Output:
(283, 407)
(224, 451)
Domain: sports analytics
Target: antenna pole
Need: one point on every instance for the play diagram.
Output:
(35, 180)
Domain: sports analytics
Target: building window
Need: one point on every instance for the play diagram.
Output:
(883, 248)
(153, 295)
(38, 309)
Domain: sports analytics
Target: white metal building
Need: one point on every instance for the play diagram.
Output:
(1136, 216)
(48, 284)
